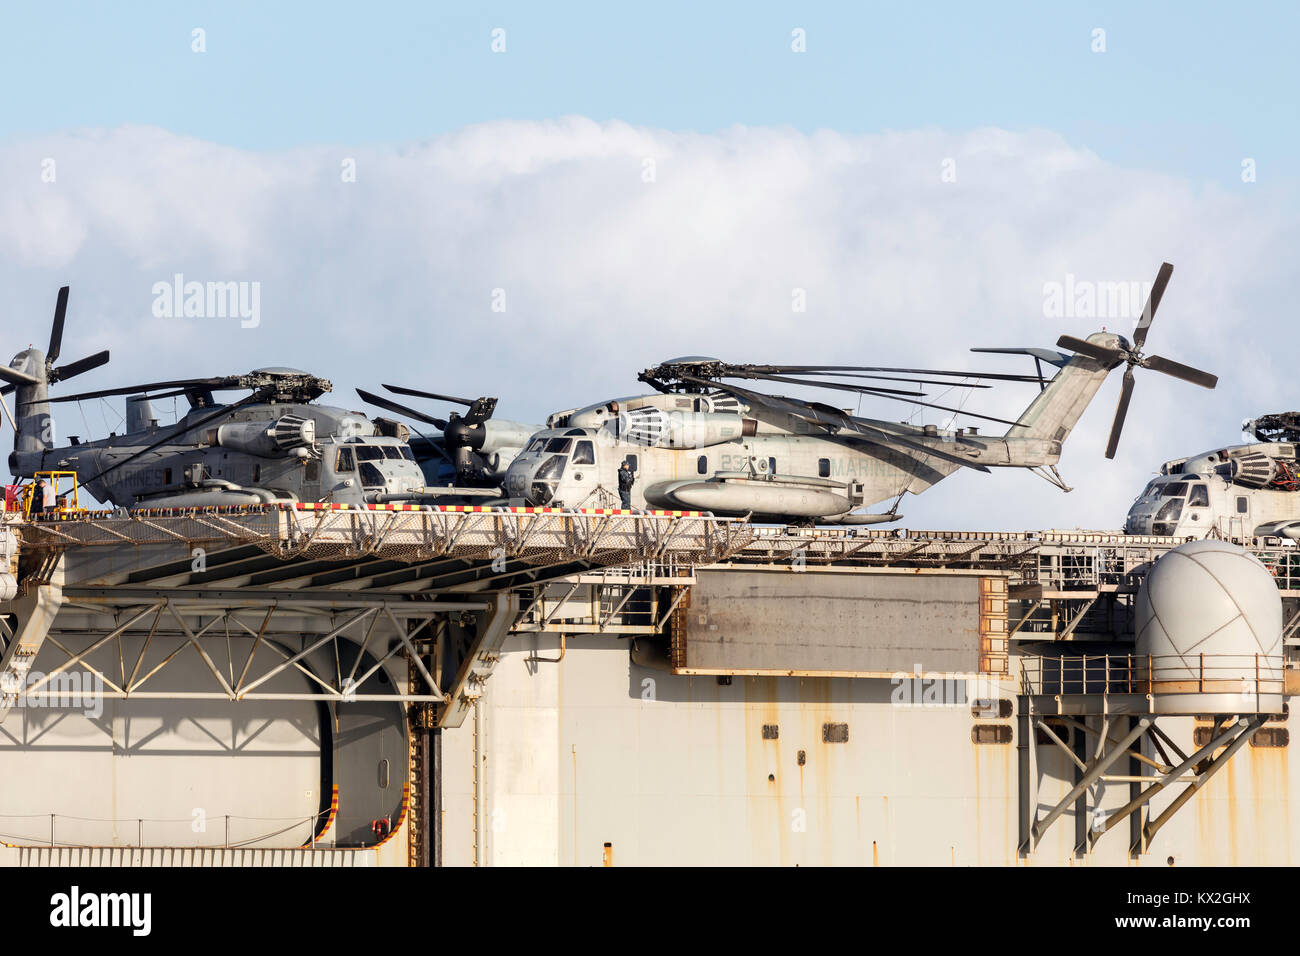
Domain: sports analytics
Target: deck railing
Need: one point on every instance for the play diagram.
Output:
(1249, 674)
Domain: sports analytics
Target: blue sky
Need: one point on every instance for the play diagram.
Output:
(775, 173)
(1185, 88)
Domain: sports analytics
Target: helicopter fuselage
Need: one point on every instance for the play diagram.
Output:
(713, 453)
(259, 453)
(1236, 492)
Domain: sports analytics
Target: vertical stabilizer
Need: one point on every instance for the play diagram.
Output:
(1053, 414)
(29, 377)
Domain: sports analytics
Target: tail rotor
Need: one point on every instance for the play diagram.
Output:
(26, 369)
(1131, 355)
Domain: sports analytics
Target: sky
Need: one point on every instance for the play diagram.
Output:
(538, 201)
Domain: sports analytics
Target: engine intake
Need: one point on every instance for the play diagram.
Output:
(1253, 471)
(270, 439)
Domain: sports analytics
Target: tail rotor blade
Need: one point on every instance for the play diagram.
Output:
(1121, 412)
(1153, 303)
(1098, 352)
(64, 372)
(1159, 363)
(56, 330)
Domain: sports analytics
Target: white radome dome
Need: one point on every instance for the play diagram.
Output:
(1214, 602)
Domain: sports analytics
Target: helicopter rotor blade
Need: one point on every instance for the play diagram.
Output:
(171, 394)
(871, 432)
(1121, 412)
(849, 370)
(783, 369)
(1153, 303)
(480, 411)
(416, 393)
(392, 406)
(883, 434)
(184, 383)
(848, 425)
(842, 386)
(15, 378)
(1101, 353)
(887, 438)
(1050, 356)
(894, 394)
(56, 330)
(64, 372)
(435, 445)
(1158, 363)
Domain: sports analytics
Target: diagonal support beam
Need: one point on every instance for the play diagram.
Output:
(359, 616)
(415, 657)
(1246, 729)
(194, 642)
(1045, 728)
(81, 655)
(1099, 767)
(1172, 776)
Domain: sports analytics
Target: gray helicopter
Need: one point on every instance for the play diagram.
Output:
(1235, 492)
(471, 452)
(704, 444)
(274, 444)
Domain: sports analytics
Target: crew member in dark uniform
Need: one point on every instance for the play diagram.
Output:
(43, 498)
(626, 478)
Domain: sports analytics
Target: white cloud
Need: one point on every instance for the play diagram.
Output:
(391, 278)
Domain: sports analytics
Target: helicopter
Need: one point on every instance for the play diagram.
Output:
(702, 443)
(473, 450)
(274, 444)
(1236, 492)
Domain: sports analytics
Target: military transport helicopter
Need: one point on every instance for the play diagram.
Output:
(273, 444)
(1236, 492)
(473, 450)
(701, 443)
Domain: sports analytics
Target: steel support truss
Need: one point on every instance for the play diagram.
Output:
(445, 645)
(1154, 763)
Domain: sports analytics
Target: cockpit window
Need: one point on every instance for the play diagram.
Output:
(551, 470)
(1175, 489)
(391, 451)
(371, 477)
(1171, 511)
(1200, 497)
(407, 453)
(369, 453)
(344, 460)
(584, 454)
(559, 446)
(537, 444)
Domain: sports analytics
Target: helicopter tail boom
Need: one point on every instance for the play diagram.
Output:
(34, 433)
(29, 376)
(1054, 412)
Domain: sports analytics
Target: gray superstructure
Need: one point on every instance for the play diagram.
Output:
(588, 687)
